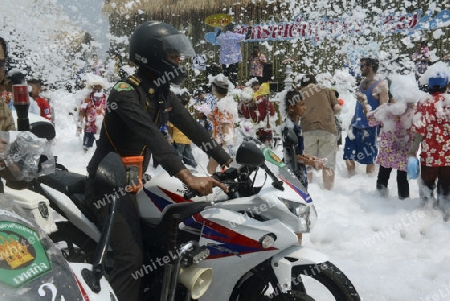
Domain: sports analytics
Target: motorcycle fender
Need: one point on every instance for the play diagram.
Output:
(283, 262)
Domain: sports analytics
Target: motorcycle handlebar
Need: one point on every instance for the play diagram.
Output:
(189, 194)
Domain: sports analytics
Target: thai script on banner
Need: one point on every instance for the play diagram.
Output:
(318, 30)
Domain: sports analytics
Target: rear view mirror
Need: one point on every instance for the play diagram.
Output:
(249, 154)
(43, 129)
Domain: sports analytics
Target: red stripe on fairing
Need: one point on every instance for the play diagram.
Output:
(162, 202)
(302, 194)
(229, 236)
(80, 286)
(175, 197)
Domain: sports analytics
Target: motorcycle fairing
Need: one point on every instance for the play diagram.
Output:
(304, 195)
(161, 202)
(268, 199)
(227, 233)
(224, 280)
(162, 191)
(283, 262)
(224, 241)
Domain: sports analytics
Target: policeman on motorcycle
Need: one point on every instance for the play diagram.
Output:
(136, 108)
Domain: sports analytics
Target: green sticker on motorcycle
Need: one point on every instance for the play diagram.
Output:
(270, 156)
(22, 256)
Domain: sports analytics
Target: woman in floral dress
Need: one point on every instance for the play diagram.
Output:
(395, 120)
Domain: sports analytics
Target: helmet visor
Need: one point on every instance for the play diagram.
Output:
(178, 44)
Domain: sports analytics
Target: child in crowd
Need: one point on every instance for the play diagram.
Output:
(293, 107)
(202, 112)
(92, 111)
(44, 106)
(223, 117)
(203, 96)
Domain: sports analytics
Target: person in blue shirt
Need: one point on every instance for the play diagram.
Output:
(230, 50)
(360, 144)
(294, 107)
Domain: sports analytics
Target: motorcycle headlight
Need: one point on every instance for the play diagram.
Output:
(306, 213)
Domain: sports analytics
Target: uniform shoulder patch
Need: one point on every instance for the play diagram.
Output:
(122, 86)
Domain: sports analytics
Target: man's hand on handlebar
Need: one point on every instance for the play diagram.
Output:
(201, 185)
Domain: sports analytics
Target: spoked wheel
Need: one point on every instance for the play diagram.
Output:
(319, 282)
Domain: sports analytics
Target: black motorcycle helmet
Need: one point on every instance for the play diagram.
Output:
(152, 42)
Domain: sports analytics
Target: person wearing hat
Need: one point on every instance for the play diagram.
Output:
(223, 117)
(92, 110)
(431, 128)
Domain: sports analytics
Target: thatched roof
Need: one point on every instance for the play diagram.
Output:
(124, 7)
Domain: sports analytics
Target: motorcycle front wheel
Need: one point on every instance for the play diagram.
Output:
(320, 282)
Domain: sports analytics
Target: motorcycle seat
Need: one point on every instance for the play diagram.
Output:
(64, 181)
(71, 184)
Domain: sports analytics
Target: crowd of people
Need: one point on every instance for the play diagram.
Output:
(150, 121)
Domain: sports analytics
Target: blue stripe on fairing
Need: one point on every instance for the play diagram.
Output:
(300, 192)
(159, 201)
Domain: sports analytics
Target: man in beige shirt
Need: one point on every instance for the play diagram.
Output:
(319, 126)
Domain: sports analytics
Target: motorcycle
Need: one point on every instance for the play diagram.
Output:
(250, 237)
(31, 266)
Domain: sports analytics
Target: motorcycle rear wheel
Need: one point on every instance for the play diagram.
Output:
(256, 286)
